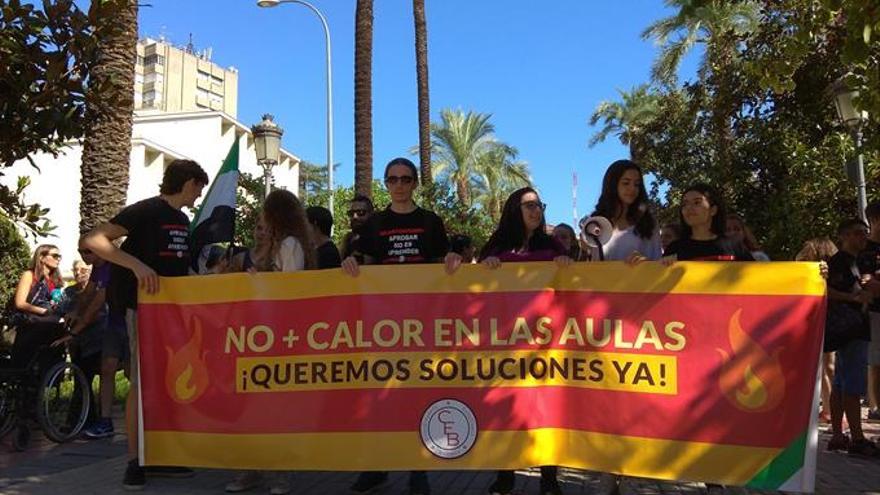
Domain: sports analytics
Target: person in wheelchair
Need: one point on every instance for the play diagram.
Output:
(35, 316)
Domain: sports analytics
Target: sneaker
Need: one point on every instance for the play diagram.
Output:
(496, 489)
(712, 489)
(838, 443)
(550, 487)
(874, 415)
(418, 483)
(369, 481)
(863, 448)
(101, 428)
(279, 483)
(609, 484)
(245, 481)
(169, 472)
(135, 478)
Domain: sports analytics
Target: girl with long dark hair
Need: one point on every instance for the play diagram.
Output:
(521, 236)
(703, 228)
(565, 235)
(624, 201)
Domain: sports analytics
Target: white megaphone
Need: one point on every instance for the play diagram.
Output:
(596, 232)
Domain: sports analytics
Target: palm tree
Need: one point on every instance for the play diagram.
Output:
(500, 174)
(422, 82)
(457, 144)
(720, 25)
(363, 99)
(109, 107)
(627, 119)
(482, 169)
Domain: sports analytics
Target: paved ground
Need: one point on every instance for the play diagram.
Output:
(96, 467)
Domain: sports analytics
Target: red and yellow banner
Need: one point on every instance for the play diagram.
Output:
(699, 371)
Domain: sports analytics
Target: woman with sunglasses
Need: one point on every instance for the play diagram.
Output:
(403, 233)
(521, 236)
(34, 316)
(624, 201)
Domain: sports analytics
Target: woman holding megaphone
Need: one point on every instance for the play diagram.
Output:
(622, 227)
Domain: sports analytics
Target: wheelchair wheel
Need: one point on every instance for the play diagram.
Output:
(7, 412)
(63, 402)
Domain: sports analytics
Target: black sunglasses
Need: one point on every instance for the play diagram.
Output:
(532, 205)
(357, 213)
(403, 179)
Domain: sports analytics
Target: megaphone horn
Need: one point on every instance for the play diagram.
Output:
(596, 230)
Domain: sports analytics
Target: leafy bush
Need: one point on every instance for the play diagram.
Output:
(14, 257)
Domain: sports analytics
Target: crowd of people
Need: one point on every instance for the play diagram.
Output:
(149, 239)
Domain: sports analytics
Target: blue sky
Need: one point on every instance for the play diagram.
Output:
(540, 68)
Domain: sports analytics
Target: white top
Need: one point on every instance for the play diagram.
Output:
(624, 242)
(290, 256)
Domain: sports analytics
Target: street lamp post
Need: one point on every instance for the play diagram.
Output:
(853, 119)
(267, 144)
(275, 3)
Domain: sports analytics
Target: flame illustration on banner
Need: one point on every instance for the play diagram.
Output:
(186, 375)
(750, 378)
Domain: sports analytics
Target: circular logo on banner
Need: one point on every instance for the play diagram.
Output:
(449, 429)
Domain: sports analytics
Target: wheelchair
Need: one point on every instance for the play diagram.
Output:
(50, 390)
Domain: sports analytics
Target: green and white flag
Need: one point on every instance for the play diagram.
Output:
(215, 219)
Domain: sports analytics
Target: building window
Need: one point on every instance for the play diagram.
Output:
(216, 80)
(215, 98)
(153, 77)
(139, 60)
(201, 93)
(154, 59)
(204, 76)
(138, 79)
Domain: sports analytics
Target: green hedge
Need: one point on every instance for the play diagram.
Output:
(14, 257)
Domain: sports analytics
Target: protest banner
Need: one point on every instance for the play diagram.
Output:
(699, 371)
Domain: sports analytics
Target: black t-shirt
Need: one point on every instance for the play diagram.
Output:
(158, 235)
(843, 272)
(415, 237)
(328, 256)
(868, 262)
(718, 249)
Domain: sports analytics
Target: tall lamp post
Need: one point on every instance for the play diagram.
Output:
(853, 119)
(275, 3)
(267, 143)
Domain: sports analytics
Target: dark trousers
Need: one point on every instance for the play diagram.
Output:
(91, 367)
(29, 338)
(506, 479)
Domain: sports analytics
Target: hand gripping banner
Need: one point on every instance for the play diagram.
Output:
(699, 371)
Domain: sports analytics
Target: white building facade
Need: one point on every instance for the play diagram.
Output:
(158, 138)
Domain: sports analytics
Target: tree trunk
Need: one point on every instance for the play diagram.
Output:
(424, 100)
(363, 99)
(109, 106)
(720, 56)
(464, 193)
